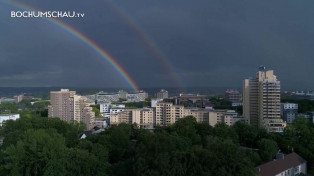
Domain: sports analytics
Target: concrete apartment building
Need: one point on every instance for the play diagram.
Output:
(261, 101)
(68, 106)
(166, 113)
(289, 111)
(213, 117)
(162, 94)
(144, 118)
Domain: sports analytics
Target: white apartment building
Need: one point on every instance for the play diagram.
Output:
(5, 117)
(107, 109)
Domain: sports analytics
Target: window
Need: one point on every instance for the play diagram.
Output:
(296, 169)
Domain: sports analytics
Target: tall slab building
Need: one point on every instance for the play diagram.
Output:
(68, 106)
(261, 101)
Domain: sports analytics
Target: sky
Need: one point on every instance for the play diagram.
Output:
(200, 43)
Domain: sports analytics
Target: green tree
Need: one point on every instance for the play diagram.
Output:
(37, 152)
(267, 149)
(96, 111)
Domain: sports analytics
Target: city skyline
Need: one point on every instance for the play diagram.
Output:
(159, 44)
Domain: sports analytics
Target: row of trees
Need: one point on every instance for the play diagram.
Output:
(41, 146)
(25, 105)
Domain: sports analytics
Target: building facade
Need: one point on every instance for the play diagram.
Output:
(261, 101)
(289, 111)
(144, 117)
(234, 96)
(107, 109)
(136, 97)
(162, 94)
(166, 113)
(69, 107)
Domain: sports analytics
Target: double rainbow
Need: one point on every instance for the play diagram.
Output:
(89, 42)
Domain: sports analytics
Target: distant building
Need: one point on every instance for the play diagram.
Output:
(7, 100)
(122, 94)
(136, 97)
(162, 94)
(289, 111)
(5, 117)
(311, 115)
(284, 165)
(191, 100)
(261, 101)
(68, 106)
(19, 98)
(103, 97)
(308, 116)
(90, 98)
(303, 95)
(234, 96)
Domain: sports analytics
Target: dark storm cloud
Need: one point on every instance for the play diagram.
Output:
(208, 43)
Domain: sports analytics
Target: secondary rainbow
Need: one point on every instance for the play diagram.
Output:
(149, 43)
(79, 35)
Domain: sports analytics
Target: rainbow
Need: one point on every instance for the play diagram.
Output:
(79, 35)
(149, 43)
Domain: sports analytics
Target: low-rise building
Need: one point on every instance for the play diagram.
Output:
(289, 111)
(5, 117)
(284, 165)
(166, 113)
(107, 109)
(144, 117)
